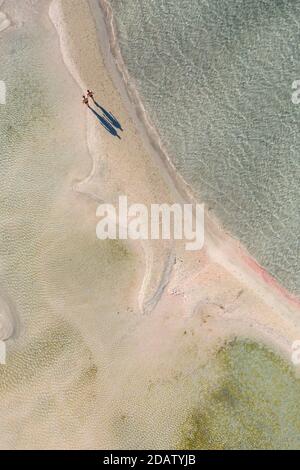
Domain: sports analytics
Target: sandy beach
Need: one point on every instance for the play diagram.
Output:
(114, 352)
(142, 153)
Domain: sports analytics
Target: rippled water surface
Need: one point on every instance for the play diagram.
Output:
(216, 78)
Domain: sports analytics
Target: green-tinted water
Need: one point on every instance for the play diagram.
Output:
(216, 77)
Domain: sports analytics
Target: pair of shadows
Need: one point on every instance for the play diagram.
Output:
(109, 122)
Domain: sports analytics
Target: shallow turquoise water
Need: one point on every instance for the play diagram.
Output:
(216, 78)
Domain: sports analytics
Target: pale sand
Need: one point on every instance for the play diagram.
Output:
(111, 176)
(4, 22)
(8, 319)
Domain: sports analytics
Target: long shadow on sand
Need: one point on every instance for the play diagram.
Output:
(109, 116)
(105, 124)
